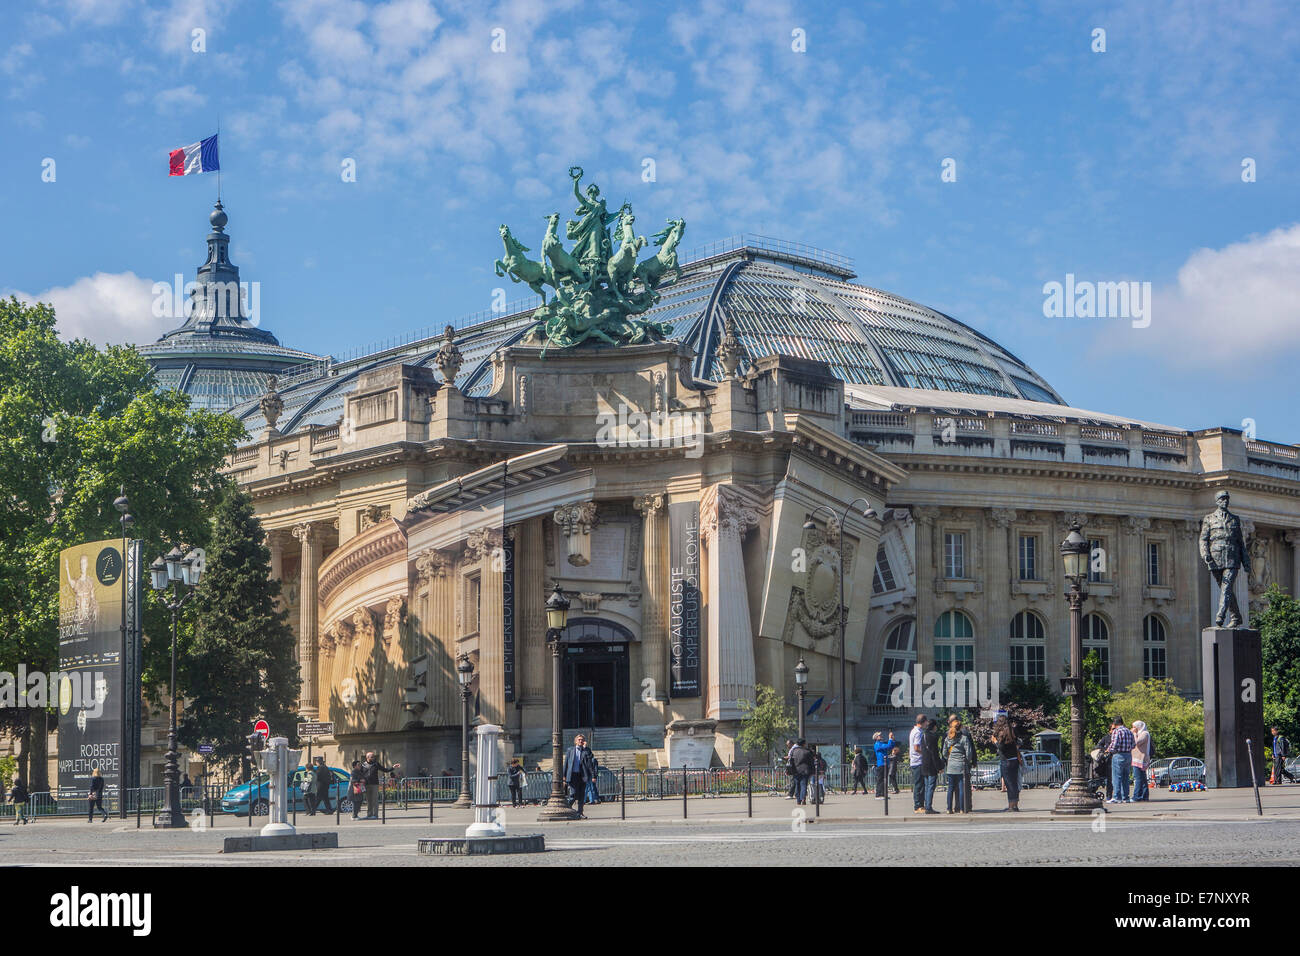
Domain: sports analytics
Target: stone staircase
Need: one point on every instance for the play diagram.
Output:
(615, 748)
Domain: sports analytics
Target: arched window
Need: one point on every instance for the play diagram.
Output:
(1028, 647)
(900, 655)
(954, 643)
(1153, 648)
(1096, 637)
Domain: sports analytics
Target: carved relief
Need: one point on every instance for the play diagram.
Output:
(344, 633)
(1132, 524)
(575, 522)
(372, 515)
(431, 564)
(327, 640)
(363, 623)
(394, 615)
(482, 544)
(1003, 517)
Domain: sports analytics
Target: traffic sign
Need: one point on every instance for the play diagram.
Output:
(206, 748)
(320, 728)
(262, 727)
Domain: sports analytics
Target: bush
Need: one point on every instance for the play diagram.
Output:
(1176, 725)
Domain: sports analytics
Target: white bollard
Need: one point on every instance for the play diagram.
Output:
(278, 761)
(485, 786)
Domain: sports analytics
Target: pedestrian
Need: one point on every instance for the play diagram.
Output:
(819, 770)
(1281, 750)
(932, 763)
(578, 772)
(356, 787)
(18, 796)
(593, 791)
(1120, 749)
(957, 756)
(371, 769)
(1010, 760)
(801, 760)
(915, 759)
(307, 787)
(1101, 766)
(1141, 758)
(968, 782)
(187, 786)
(516, 779)
(324, 780)
(859, 769)
(96, 796)
(789, 769)
(883, 749)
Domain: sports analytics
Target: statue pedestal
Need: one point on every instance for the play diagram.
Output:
(690, 743)
(1232, 667)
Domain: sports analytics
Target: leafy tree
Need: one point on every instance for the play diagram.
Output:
(765, 723)
(1025, 722)
(1032, 694)
(1176, 725)
(1279, 626)
(1097, 708)
(241, 664)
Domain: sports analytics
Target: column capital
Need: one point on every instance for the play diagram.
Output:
(728, 514)
(649, 505)
(577, 518)
(432, 564)
(1292, 538)
(1135, 524)
(480, 544)
(306, 532)
(394, 615)
(1002, 517)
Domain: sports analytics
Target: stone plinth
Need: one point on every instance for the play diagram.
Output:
(690, 743)
(477, 846)
(288, 841)
(1232, 668)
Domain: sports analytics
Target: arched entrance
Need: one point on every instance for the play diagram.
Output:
(597, 674)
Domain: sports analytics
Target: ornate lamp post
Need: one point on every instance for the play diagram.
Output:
(808, 525)
(557, 619)
(464, 674)
(801, 682)
(173, 571)
(123, 508)
(1077, 798)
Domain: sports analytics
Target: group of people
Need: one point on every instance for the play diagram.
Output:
(932, 752)
(805, 766)
(364, 781)
(1124, 749)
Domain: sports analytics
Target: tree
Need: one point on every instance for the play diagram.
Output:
(1096, 711)
(240, 665)
(1176, 725)
(1279, 627)
(766, 723)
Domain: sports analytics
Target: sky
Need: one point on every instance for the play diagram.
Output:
(964, 155)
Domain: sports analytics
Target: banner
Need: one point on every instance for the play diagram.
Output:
(508, 611)
(90, 679)
(684, 608)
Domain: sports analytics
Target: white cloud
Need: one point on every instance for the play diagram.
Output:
(179, 98)
(107, 308)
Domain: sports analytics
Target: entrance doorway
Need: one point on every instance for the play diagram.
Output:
(596, 675)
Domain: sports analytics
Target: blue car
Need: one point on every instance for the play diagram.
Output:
(236, 799)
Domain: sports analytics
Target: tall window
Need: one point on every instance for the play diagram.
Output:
(954, 643)
(1153, 563)
(1096, 560)
(1028, 647)
(1153, 648)
(1028, 557)
(954, 555)
(1096, 637)
(883, 579)
(900, 655)
(473, 590)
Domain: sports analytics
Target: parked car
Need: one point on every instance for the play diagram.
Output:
(1042, 769)
(237, 798)
(984, 777)
(1169, 770)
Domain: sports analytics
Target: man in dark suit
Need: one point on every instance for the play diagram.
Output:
(578, 771)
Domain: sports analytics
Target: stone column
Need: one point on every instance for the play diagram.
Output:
(927, 573)
(1293, 538)
(438, 624)
(993, 652)
(531, 651)
(485, 547)
(725, 518)
(654, 618)
(310, 539)
(1184, 654)
(1126, 655)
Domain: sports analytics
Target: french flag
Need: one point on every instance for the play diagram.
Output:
(200, 157)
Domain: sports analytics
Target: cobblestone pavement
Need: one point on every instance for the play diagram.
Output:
(1208, 829)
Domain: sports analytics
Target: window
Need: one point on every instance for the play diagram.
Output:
(1096, 637)
(954, 647)
(1028, 647)
(1153, 648)
(1028, 557)
(900, 655)
(1096, 560)
(954, 555)
(883, 580)
(1153, 563)
(472, 591)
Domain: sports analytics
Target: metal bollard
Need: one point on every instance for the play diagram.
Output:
(889, 759)
(749, 786)
(622, 794)
(430, 799)
(137, 808)
(338, 805)
(686, 783)
(383, 802)
(661, 784)
(1250, 752)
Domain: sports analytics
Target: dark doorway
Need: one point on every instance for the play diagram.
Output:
(596, 676)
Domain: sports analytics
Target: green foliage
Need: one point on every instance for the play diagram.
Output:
(767, 723)
(1096, 711)
(1176, 725)
(1032, 695)
(8, 767)
(240, 665)
(1279, 626)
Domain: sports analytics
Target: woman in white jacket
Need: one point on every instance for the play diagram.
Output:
(1141, 757)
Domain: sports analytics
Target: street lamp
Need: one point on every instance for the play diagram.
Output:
(123, 507)
(557, 619)
(176, 570)
(801, 683)
(464, 674)
(867, 512)
(1076, 799)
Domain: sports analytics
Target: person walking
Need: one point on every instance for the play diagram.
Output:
(96, 797)
(805, 766)
(932, 763)
(1141, 758)
(859, 769)
(593, 790)
(957, 756)
(516, 779)
(789, 769)
(1120, 748)
(371, 769)
(18, 796)
(307, 787)
(1010, 760)
(915, 760)
(883, 749)
(324, 781)
(356, 787)
(1281, 750)
(578, 772)
(819, 771)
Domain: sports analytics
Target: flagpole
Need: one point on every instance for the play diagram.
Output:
(218, 159)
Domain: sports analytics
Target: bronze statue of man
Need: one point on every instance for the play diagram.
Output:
(1223, 549)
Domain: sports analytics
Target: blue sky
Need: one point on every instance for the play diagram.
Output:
(1122, 165)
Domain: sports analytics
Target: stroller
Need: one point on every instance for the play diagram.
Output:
(1098, 773)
